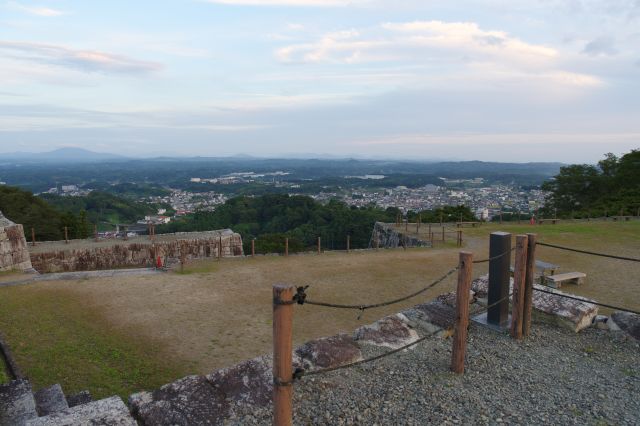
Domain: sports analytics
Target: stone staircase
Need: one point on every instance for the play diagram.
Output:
(20, 406)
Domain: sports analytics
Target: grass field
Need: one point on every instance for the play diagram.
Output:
(119, 335)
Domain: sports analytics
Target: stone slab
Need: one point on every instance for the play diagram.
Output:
(17, 404)
(329, 352)
(192, 400)
(392, 332)
(627, 322)
(50, 400)
(109, 411)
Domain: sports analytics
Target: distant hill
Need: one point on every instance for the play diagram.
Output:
(62, 155)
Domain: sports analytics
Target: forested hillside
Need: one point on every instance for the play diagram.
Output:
(611, 187)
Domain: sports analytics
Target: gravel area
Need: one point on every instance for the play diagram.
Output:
(554, 377)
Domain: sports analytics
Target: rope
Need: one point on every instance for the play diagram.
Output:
(494, 257)
(299, 373)
(301, 297)
(632, 259)
(587, 301)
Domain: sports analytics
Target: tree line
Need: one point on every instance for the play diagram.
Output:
(611, 187)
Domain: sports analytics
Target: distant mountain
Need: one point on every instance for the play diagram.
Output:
(62, 155)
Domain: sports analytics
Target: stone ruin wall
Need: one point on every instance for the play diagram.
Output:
(136, 254)
(387, 237)
(14, 254)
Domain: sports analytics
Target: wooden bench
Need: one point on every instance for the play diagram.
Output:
(462, 224)
(543, 269)
(555, 281)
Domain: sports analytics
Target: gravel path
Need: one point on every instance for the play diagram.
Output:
(554, 377)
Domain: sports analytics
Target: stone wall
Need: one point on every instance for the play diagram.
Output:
(14, 254)
(385, 236)
(138, 254)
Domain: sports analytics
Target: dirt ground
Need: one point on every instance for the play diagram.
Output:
(219, 312)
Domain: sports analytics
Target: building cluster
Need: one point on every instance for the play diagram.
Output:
(184, 202)
(240, 177)
(68, 191)
(484, 201)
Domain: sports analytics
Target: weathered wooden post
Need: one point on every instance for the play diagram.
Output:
(460, 238)
(33, 237)
(319, 245)
(95, 233)
(348, 243)
(183, 256)
(528, 285)
(286, 246)
(499, 274)
(282, 355)
(462, 312)
(443, 234)
(519, 277)
(220, 246)
(253, 247)
(66, 235)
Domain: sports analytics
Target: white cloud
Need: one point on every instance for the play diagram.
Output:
(84, 60)
(35, 10)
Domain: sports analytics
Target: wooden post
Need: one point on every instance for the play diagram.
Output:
(182, 257)
(443, 234)
(462, 312)
(66, 235)
(253, 247)
(282, 355)
(519, 276)
(219, 246)
(528, 285)
(95, 233)
(460, 238)
(319, 245)
(33, 237)
(286, 246)
(348, 243)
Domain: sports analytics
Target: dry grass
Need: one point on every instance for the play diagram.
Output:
(219, 312)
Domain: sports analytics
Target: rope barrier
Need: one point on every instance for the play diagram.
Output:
(494, 257)
(632, 259)
(300, 372)
(301, 297)
(579, 299)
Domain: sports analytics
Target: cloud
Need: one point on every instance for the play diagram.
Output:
(84, 60)
(303, 3)
(35, 10)
(600, 46)
(396, 41)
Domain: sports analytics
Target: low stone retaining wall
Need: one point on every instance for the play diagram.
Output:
(138, 254)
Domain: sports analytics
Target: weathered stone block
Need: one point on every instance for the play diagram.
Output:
(329, 352)
(392, 332)
(108, 411)
(17, 405)
(628, 322)
(50, 400)
(192, 400)
(249, 382)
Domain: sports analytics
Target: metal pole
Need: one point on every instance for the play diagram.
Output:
(499, 248)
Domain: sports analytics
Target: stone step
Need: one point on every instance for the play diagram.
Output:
(17, 404)
(108, 411)
(50, 400)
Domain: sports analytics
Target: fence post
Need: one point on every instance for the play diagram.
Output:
(499, 251)
(95, 233)
(66, 235)
(519, 277)
(443, 234)
(460, 238)
(319, 245)
(286, 246)
(33, 237)
(348, 243)
(282, 354)
(528, 284)
(462, 312)
(219, 246)
(253, 247)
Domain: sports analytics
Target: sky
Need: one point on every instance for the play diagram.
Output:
(494, 80)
